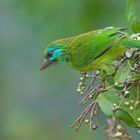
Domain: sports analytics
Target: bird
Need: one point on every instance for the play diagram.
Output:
(94, 50)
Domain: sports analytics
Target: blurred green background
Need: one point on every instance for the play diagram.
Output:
(38, 105)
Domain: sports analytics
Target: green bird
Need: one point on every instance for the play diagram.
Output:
(95, 50)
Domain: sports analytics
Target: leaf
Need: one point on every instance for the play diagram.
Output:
(126, 117)
(135, 103)
(122, 74)
(107, 100)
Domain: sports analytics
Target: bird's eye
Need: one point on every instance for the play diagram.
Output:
(49, 54)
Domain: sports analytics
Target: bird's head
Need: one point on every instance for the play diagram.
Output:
(52, 54)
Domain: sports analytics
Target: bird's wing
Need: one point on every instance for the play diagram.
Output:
(87, 47)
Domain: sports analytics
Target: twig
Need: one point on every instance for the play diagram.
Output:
(89, 109)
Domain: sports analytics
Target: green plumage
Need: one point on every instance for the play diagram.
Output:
(94, 50)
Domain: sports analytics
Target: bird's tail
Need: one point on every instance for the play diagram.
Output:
(131, 42)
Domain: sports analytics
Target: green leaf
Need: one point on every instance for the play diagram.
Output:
(122, 74)
(135, 103)
(106, 102)
(126, 117)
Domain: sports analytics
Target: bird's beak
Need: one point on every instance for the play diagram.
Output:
(45, 64)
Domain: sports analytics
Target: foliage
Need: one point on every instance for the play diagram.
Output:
(117, 95)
